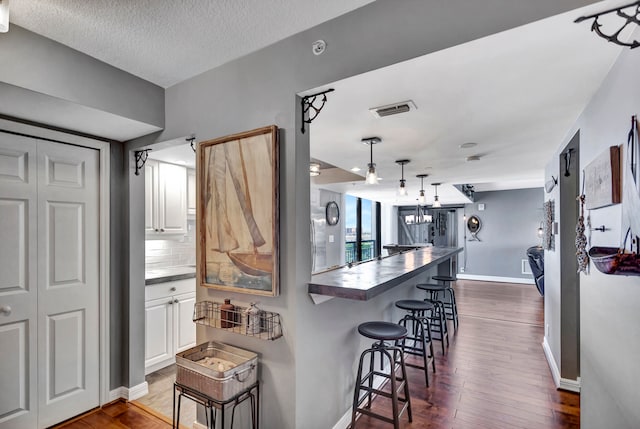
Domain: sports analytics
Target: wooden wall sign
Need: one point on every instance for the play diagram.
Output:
(238, 212)
(602, 180)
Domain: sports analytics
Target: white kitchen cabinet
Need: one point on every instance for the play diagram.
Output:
(191, 193)
(169, 327)
(165, 199)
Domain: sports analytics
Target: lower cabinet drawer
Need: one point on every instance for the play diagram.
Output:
(161, 290)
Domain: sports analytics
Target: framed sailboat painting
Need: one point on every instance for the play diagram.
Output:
(237, 212)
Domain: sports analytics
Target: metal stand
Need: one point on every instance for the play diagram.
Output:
(212, 405)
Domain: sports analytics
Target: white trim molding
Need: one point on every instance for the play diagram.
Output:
(561, 383)
(129, 393)
(496, 279)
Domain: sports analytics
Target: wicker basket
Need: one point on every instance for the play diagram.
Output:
(219, 385)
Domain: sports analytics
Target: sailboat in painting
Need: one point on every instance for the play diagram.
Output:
(238, 206)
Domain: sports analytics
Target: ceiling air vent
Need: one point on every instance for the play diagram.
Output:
(393, 109)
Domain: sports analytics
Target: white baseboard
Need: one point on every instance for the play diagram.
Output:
(561, 383)
(497, 279)
(197, 425)
(129, 393)
(115, 394)
(345, 421)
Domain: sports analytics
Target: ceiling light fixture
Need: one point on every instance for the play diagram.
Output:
(402, 190)
(468, 145)
(4, 16)
(372, 177)
(314, 169)
(421, 198)
(472, 158)
(355, 169)
(436, 201)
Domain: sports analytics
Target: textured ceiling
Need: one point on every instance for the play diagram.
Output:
(166, 42)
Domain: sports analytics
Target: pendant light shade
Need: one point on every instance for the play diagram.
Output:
(4, 16)
(402, 190)
(372, 176)
(421, 197)
(314, 169)
(436, 201)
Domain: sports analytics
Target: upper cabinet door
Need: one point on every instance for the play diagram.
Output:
(172, 199)
(191, 193)
(151, 196)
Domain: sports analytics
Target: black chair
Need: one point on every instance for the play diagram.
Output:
(391, 353)
(438, 318)
(417, 323)
(451, 309)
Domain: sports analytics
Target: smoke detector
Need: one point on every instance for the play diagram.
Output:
(393, 109)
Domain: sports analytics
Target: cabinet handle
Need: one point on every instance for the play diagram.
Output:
(5, 310)
(156, 230)
(161, 229)
(170, 303)
(173, 289)
(176, 301)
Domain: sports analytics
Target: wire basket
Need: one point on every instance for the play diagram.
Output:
(209, 313)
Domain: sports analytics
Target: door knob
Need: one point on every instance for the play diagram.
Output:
(5, 310)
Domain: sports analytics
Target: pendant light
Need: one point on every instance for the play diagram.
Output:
(436, 202)
(402, 190)
(421, 198)
(372, 177)
(4, 16)
(314, 169)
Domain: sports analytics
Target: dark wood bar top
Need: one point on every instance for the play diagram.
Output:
(369, 279)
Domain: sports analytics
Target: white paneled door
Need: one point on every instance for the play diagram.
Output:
(49, 287)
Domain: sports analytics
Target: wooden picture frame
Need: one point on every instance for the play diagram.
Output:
(602, 186)
(237, 212)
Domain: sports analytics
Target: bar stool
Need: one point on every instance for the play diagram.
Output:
(415, 322)
(381, 332)
(450, 305)
(438, 318)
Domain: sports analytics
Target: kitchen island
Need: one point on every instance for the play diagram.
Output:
(369, 279)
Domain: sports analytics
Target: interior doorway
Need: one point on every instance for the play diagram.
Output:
(569, 183)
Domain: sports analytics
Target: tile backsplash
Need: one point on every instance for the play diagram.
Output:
(172, 253)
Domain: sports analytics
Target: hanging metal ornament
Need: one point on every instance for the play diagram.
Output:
(581, 240)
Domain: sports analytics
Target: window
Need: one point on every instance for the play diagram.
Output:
(362, 226)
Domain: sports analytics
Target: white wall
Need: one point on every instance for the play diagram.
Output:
(609, 305)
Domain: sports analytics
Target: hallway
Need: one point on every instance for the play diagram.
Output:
(495, 374)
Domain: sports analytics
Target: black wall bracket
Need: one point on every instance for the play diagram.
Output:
(632, 17)
(141, 158)
(309, 111)
(192, 141)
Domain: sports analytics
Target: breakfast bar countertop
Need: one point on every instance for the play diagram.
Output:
(369, 279)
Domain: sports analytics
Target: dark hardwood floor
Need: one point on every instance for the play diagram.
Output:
(120, 415)
(494, 375)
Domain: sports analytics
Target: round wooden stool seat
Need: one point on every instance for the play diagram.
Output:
(384, 331)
